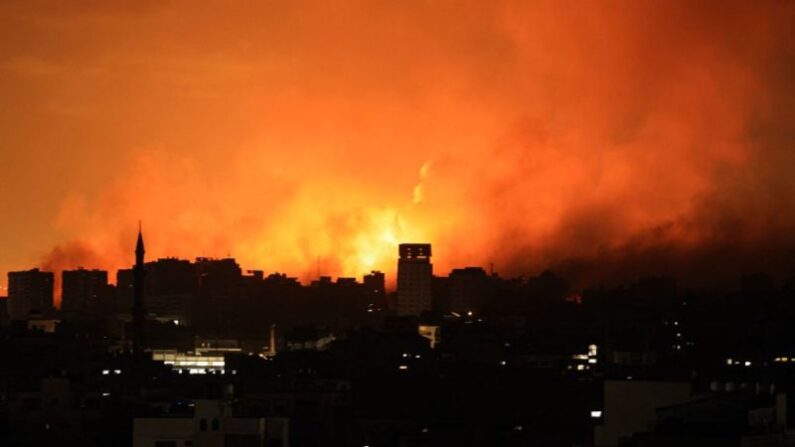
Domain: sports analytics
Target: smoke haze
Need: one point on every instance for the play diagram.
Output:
(605, 139)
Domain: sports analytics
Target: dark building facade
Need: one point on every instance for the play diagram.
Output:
(83, 293)
(374, 283)
(415, 279)
(29, 292)
(218, 277)
(469, 289)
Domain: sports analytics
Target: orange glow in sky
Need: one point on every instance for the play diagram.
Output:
(523, 133)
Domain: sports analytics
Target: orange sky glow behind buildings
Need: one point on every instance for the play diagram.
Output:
(587, 136)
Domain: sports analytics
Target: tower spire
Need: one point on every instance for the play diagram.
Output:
(138, 310)
(139, 246)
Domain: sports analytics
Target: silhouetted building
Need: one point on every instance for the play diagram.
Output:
(29, 292)
(83, 292)
(415, 277)
(374, 283)
(170, 276)
(138, 310)
(124, 291)
(170, 288)
(469, 289)
(217, 308)
(3, 310)
(322, 281)
(218, 277)
(440, 290)
(346, 282)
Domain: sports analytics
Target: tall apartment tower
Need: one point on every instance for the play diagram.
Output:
(374, 283)
(83, 292)
(29, 292)
(470, 289)
(415, 278)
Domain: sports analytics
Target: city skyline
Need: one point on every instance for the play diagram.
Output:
(379, 223)
(83, 273)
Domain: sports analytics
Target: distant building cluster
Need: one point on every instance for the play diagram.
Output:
(196, 353)
(178, 290)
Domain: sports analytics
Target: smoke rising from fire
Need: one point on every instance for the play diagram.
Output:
(605, 139)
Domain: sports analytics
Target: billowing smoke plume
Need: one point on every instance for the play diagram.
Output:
(605, 139)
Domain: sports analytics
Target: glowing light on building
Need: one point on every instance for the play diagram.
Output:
(192, 363)
(429, 332)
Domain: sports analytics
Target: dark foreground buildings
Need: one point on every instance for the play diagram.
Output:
(227, 358)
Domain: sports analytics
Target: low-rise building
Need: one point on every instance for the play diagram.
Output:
(630, 407)
(211, 424)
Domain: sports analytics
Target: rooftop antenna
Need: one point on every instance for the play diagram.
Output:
(318, 267)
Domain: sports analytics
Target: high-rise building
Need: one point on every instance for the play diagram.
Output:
(170, 287)
(415, 278)
(218, 277)
(374, 283)
(83, 292)
(29, 292)
(166, 281)
(470, 289)
(219, 286)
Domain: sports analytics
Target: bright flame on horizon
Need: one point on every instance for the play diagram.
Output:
(632, 138)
